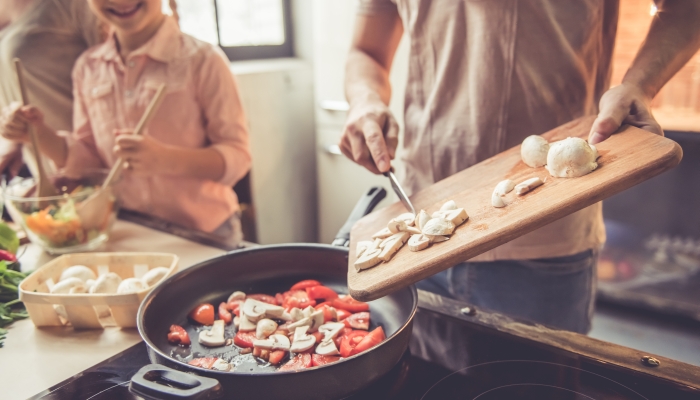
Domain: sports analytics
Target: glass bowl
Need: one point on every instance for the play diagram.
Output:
(54, 222)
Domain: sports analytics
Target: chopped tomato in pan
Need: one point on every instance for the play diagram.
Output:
(265, 298)
(321, 292)
(178, 335)
(342, 314)
(319, 305)
(297, 298)
(370, 340)
(329, 313)
(276, 356)
(244, 339)
(358, 321)
(299, 361)
(350, 341)
(203, 314)
(349, 304)
(305, 284)
(235, 307)
(319, 336)
(318, 359)
(339, 339)
(204, 362)
(224, 313)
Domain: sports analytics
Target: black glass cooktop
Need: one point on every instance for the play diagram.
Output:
(451, 359)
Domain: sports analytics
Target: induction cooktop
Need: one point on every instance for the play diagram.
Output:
(458, 352)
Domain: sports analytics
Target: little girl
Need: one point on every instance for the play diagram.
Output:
(196, 146)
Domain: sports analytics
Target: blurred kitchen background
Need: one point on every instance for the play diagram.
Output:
(289, 56)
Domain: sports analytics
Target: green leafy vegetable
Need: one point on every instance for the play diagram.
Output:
(8, 239)
(11, 309)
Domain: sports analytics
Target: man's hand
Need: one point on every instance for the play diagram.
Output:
(144, 154)
(15, 121)
(370, 136)
(623, 104)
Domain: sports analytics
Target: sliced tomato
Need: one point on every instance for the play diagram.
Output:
(370, 340)
(317, 359)
(342, 314)
(244, 339)
(224, 313)
(298, 299)
(350, 341)
(265, 298)
(299, 361)
(204, 362)
(305, 284)
(319, 336)
(349, 304)
(280, 298)
(203, 314)
(178, 335)
(358, 321)
(319, 305)
(276, 356)
(339, 339)
(321, 292)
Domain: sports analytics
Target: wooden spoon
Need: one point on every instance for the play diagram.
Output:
(43, 184)
(92, 210)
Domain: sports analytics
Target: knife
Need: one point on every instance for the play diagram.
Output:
(399, 191)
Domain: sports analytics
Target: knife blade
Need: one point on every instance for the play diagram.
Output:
(400, 192)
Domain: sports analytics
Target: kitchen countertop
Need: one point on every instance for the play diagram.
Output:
(34, 359)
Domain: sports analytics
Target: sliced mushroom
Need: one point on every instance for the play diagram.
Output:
(418, 242)
(245, 325)
(265, 328)
(327, 348)
(308, 311)
(331, 329)
(397, 225)
(449, 206)
(413, 230)
(438, 238)
(296, 314)
(402, 236)
(316, 320)
(368, 260)
(237, 295)
(390, 248)
(221, 365)
(78, 271)
(154, 276)
(438, 226)
(504, 187)
(497, 201)
(528, 185)
(457, 216)
(213, 337)
(306, 321)
(274, 342)
(362, 246)
(255, 310)
(236, 321)
(422, 219)
(302, 341)
(408, 218)
(384, 233)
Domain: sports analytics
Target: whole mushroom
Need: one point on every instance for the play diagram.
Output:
(154, 276)
(78, 271)
(107, 284)
(534, 151)
(571, 157)
(130, 285)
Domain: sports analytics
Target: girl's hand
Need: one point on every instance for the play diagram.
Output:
(15, 121)
(144, 154)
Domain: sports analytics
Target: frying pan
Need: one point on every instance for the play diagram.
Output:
(265, 269)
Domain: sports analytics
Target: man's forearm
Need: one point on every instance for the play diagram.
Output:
(673, 38)
(366, 79)
(205, 163)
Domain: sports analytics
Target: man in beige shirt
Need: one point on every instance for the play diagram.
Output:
(483, 75)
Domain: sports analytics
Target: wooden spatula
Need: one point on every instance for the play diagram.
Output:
(629, 157)
(91, 210)
(44, 186)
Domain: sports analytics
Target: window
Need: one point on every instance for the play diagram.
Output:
(245, 29)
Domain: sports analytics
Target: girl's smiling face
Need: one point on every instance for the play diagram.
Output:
(128, 16)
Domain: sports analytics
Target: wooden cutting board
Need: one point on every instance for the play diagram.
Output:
(629, 157)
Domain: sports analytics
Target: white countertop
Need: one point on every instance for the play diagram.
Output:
(35, 359)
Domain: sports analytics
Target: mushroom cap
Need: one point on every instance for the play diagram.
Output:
(265, 328)
(78, 271)
(130, 285)
(107, 283)
(570, 158)
(154, 276)
(534, 150)
(66, 285)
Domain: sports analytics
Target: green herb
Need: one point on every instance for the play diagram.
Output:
(8, 239)
(11, 309)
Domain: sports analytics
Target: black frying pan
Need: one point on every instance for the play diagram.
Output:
(266, 269)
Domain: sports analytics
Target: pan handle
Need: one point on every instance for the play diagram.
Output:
(363, 207)
(158, 382)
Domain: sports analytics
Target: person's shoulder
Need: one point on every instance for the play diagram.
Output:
(200, 51)
(91, 57)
